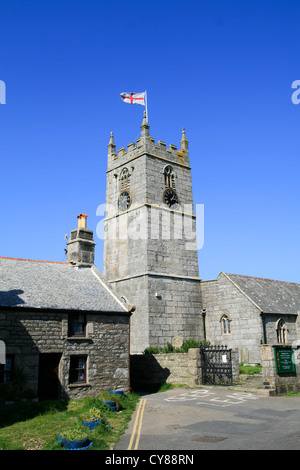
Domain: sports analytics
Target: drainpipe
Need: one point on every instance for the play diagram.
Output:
(264, 328)
(203, 319)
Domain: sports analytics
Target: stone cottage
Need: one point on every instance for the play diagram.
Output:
(62, 324)
(245, 312)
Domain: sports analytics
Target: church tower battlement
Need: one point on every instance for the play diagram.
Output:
(150, 246)
(147, 143)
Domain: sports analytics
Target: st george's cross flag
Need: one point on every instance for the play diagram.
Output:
(134, 98)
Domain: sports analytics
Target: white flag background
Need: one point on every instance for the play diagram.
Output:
(133, 98)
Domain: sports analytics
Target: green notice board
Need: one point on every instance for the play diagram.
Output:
(284, 359)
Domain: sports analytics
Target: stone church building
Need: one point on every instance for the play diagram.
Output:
(151, 258)
(74, 328)
(245, 312)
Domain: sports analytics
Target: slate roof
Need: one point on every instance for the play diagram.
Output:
(269, 295)
(51, 285)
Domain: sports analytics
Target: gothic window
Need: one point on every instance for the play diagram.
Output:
(225, 324)
(281, 330)
(169, 177)
(124, 179)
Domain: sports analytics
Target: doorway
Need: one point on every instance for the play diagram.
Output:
(49, 384)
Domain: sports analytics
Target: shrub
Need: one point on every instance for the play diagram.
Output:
(94, 414)
(153, 350)
(189, 343)
(74, 434)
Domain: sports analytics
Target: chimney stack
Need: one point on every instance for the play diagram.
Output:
(81, 245)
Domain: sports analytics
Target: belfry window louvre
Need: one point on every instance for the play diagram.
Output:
(169, 177)
(124, 179)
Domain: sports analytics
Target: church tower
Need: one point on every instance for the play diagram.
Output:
(150, 247)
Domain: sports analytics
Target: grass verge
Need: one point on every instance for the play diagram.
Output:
(250, 370)
(36, 426)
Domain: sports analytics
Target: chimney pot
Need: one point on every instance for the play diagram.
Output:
(82, 220)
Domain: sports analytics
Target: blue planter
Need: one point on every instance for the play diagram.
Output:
(111, 404)
(92, 424)
(73, 445)
(118, 392)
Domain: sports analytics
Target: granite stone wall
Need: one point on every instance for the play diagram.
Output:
(249, 327)
(27, 334)
(281, 383)
(150, 250)
(152, 370)
(220, 297)
(149, 371)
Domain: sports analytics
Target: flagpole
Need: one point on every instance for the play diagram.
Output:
(146, 107)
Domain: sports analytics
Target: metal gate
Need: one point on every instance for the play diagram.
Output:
(216, 365)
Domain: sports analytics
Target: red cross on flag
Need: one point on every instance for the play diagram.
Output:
(134, 98)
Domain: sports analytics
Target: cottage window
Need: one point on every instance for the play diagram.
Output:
(77, 370)
(6, 370)
(77, 325)
(281, 330)
(226, 325)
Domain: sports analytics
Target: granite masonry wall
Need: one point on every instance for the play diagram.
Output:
(150, 250)
(250, 328)
(27, 334)
(152, 370)
(220, 297)
(284, 382)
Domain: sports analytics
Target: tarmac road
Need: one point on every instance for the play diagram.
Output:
(213, 418)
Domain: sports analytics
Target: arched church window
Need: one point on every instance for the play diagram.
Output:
(124, 179)
(281, 330)
(169, 177)
(225, 324)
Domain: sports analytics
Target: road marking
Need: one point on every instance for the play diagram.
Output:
(235, 398)
(140, 427)
(211, 404)
(137, 423)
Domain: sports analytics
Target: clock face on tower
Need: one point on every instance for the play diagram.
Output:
(124, 201)
(170, 197)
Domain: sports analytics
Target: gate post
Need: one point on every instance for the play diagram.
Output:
(235, 362)
(279, 380)
(194, 366)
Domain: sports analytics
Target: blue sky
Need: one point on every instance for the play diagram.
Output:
(221, 69)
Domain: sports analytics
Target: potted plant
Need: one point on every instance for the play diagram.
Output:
(74, 438)
(106, 398)
(93, 418)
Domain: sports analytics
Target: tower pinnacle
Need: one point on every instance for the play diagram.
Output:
(111, 145)
(145, 126)
(184, 142)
